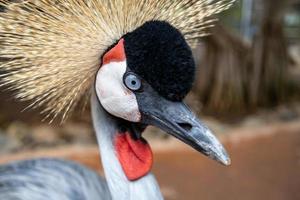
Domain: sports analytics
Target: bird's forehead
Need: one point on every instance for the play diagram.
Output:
(159, 53)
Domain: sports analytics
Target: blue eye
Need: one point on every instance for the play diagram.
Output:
(132, 82)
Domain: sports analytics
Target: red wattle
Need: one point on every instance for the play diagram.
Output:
(135, 156)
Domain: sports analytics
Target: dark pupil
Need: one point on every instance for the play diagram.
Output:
(133, 82)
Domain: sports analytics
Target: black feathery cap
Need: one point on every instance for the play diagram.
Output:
(158, 53)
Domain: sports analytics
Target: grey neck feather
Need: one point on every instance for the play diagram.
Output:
(120, 187)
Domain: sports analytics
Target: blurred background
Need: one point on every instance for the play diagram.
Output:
(247, 91)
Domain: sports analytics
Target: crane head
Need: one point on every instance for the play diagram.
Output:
(144, 78)
(50, 54)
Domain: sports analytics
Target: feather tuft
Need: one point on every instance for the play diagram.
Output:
(50, 50)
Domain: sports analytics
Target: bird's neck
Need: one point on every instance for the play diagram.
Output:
(145, 188)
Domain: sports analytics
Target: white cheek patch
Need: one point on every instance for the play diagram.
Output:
(113, 95)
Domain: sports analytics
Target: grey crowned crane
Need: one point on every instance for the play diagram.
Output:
(133, 58)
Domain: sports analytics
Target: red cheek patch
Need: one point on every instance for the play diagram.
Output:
(116, 54)
(135, 156)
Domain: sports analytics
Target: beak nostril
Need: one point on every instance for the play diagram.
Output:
(185, 126)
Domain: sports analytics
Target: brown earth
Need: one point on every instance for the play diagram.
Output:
(265, 165)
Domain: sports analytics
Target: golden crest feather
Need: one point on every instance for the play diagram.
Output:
(50, 50)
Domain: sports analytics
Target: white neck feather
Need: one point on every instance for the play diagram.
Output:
(120, 187)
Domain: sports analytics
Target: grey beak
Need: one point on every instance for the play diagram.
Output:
(179, 121)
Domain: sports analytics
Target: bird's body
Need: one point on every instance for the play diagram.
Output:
(51, 179)
(134, 57)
